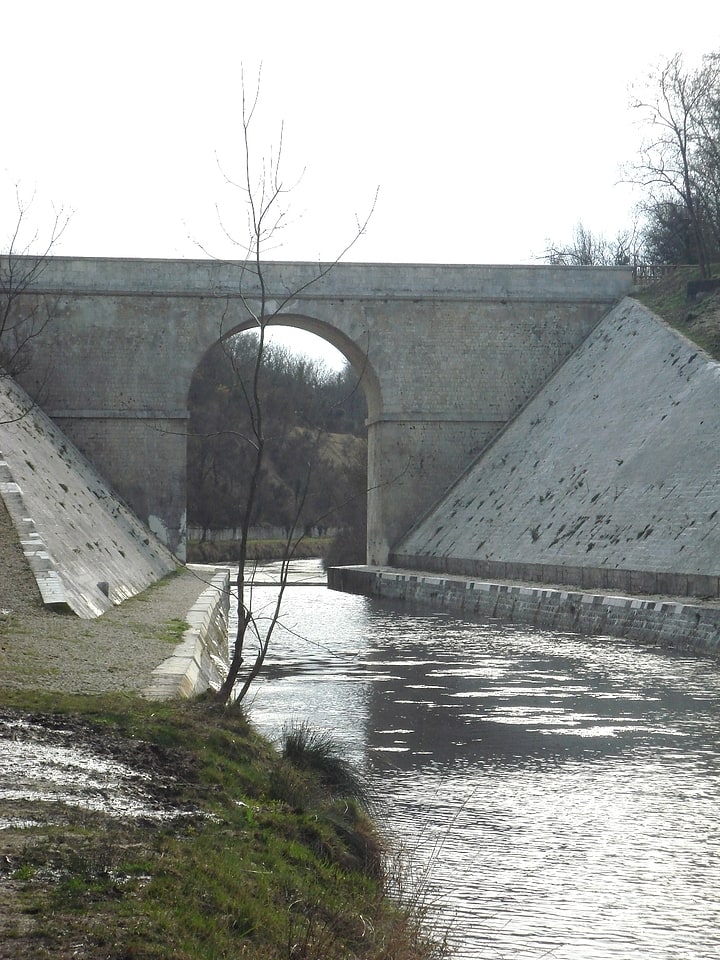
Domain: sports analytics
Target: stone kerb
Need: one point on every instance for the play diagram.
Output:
(665, 623)
(200, 661)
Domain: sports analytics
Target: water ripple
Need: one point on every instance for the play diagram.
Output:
(559, 792)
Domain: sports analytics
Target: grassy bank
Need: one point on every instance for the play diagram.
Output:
(697, 319)
(264, 856)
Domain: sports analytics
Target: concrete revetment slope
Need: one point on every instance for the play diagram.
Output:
(86, 549)
(608, 478)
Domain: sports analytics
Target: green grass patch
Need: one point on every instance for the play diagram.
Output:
(264, 859)
(173, 630)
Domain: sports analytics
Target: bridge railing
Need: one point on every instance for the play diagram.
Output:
(650, 272)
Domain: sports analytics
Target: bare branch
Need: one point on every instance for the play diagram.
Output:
(678, 159)
(24, 314)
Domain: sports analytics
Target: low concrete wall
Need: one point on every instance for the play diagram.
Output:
(200, 661)
(261, 532)
(696, 585)
(667, 623)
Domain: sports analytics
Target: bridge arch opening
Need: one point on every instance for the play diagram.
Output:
(316, 392)
(354, 352)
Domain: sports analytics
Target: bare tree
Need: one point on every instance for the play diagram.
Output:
(264, 191)
(23, 316)
(679, 158)
(587, 249)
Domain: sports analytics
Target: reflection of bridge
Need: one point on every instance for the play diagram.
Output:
(447, 355)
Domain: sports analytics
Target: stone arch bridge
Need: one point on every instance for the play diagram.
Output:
(447, 356)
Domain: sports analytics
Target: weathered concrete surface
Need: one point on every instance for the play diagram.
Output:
(200, 661)
(608, 478)
(684, 626)
(446, 354)
(86, 549)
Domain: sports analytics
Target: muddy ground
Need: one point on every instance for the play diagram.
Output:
(60, 775)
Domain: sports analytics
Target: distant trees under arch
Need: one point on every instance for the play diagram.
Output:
(314, 424)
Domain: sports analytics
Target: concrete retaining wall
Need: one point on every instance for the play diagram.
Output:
(261, 532)
(685, 626)
(696, 585)
(200, 660)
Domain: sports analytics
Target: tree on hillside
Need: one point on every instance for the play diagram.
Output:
(679, 161)
(678, 168)
(23, 259)
(263, 190)
(587, 249)
(668, 235)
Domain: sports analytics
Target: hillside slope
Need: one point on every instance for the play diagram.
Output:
(698, 319)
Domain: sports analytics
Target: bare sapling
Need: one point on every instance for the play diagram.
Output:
(264, 194)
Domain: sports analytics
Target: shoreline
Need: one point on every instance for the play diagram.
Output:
(667, 622)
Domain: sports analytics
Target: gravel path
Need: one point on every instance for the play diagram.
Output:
(51, 651)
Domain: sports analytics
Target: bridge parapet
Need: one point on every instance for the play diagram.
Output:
(308, 280)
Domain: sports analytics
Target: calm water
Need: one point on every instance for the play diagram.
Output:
(563, 791)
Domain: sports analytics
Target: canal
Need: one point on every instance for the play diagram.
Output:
(559, 794)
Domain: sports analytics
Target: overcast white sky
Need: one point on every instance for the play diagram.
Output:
(488, 127)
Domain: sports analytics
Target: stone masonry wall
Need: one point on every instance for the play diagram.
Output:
(684, 626)
(445, 354)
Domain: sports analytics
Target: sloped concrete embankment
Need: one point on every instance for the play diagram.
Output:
(84, 546)
(200, 661)
(608, 480)
(684, 626)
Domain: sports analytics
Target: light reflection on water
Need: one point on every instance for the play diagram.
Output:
(564, 790)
